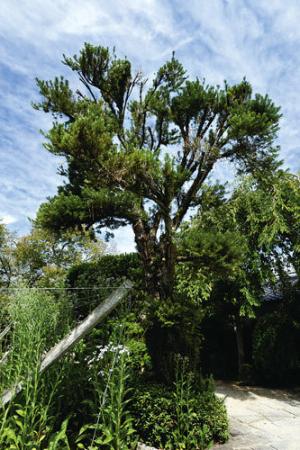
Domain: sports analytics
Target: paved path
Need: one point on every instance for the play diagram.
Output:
(261, 419)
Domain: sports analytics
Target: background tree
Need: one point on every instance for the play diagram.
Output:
(243, 242)
(7, 242)
(7, 267)
(43, 257)
(138, 152)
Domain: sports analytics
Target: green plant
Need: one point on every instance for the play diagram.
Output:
(182, 417)
(59, 440)
(106, 273)
(109, 374)
(28, 419)
(185, 434)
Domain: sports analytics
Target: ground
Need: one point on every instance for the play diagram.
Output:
(261, 419)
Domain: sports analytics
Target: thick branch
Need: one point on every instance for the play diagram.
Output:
(190, 194)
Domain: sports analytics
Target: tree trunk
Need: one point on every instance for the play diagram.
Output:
(158, 259)
(167, 269)
(159, 263)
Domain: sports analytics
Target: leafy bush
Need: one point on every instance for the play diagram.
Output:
(182, 417)
(109, 271)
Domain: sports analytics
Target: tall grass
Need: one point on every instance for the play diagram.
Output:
(43, 414)
(37, 322)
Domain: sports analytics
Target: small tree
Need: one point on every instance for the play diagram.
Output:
(138, 152)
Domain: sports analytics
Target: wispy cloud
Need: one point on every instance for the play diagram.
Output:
(220, 39)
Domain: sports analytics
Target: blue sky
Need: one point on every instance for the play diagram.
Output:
(216, 39)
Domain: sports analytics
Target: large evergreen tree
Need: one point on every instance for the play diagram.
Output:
(138, 152)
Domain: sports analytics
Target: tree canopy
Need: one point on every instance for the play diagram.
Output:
(246, 239)
(139, 151)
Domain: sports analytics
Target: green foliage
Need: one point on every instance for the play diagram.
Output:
(182, 417)
(193, 283)
(240, 242)
(276, 344)
(43, 257)
(109, 270)
(59, 440)
(37, 321)
(110, 370)
(106, 273)
(102, 367)
(219, 246)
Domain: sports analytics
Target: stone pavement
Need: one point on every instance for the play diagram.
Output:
(261, 419)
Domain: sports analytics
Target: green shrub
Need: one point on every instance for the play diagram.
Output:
(178, 418)
(103, 276)
(108, 269)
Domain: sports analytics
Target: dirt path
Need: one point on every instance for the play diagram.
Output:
(261, 419)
